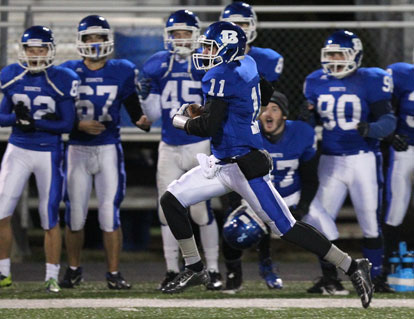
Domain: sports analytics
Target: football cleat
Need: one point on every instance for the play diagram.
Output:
(234, 281)
(5, 281)
(186, 279)
(328, 286)
(116, 281)
(215, 281)
(52, 285)
(71, 278)
(169, 276)
(273, 281)
(381, 285)
(361, 280)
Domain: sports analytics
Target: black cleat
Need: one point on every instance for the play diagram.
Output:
(116, 281)
(328, 286)
(169, 276)
(71, 278)
(234, 281)
(215, 281)
(186, 279)
(361, 280)
(381, 285)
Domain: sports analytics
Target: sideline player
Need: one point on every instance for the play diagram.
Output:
(94, 154)
(38, 103)
(170, 80)
(291, 144)
(238, 163)
(354, 105)
(400, 175)
(270, 66)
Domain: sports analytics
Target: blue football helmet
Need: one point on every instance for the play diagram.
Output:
(241, 13)
(347, 45)
(222, 42)
(178, 21)
(36, 36)
(95, 24)
(243, 228)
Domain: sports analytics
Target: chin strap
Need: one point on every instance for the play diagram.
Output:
(15, 79)
(52, 84)
(170, 66)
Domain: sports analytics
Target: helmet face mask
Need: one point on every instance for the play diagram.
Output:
(243, 15)
(37, 49)
(223, 42)
(96, 50)
(342, 54)
(182, 20)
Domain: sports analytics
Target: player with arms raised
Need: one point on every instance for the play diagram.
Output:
(39, 104)
(95, 153)
(239, 163)
(171, 80)
(354, 105)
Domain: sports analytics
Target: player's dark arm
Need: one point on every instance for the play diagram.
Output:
(266, 91)
(64, 121)
(7, 118)
(209, 122)
(309, 180)
(384, 121)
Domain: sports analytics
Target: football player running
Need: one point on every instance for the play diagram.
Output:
(400, 173)
(170, 79)
(39, 105)
(270, 66)
(238, 162)
(292, 146)
(354, 105)
(94, 154)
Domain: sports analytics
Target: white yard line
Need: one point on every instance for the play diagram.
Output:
(206, 303)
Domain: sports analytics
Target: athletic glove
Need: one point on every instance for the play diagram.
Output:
(363, 128)
(399, 143)
(24, 120)
(144, 88)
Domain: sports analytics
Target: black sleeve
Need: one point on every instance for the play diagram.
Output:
(266, 91)
(380, 108)
(133, 107)
(309, 177)
(209, 122)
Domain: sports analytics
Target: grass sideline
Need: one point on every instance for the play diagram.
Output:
(251, 290)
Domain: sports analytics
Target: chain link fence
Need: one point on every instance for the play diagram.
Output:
(301, 49)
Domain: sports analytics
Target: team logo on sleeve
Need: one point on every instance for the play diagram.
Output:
(229, 36)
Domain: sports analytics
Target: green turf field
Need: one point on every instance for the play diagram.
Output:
(253, 290)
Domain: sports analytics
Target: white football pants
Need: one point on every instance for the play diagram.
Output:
(102, 165)
(400, 178)
(17, 166)
(338, 175)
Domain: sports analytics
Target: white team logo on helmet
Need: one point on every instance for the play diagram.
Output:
(229, 36)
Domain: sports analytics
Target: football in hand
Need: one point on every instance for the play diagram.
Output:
(194, 110)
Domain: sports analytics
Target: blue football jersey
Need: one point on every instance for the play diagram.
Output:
(297, 144)
(36, 92)
(237, 83)
(403, 76)
(343, 103)
(175, 87)
(101, 93)
(269, 62)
